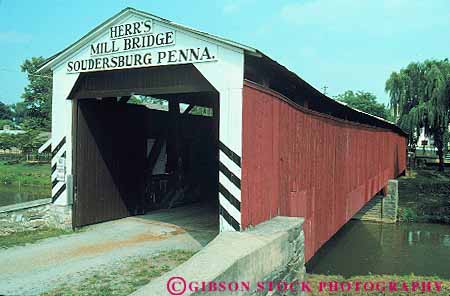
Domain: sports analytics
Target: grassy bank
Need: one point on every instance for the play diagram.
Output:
(125, 278)
(25, 174)
(133, 274)
(424, 196)
(28, 237)
(314, 281)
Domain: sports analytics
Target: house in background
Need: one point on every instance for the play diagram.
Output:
(425, 148)
(8, 130)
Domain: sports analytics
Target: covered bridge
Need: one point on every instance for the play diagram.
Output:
(265, 143)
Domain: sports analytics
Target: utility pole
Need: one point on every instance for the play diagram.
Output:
(325, 90)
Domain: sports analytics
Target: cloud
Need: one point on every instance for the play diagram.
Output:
(14, 37)
(375, 16)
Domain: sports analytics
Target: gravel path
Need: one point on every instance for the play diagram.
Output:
(40, 267)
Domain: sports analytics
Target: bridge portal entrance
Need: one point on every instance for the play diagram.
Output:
(145, 139)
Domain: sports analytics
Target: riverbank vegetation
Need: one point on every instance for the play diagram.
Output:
(424, 196)
(25, 174)
(420, 96)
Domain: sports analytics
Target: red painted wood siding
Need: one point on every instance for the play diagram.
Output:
(297, 162)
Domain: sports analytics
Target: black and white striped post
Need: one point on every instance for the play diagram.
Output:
(58, 185)
(229, 189)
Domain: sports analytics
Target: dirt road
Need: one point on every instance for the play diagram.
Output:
(39, 267)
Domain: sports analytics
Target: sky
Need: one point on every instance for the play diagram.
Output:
(340, 44)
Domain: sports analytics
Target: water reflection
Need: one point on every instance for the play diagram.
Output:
(370, 248)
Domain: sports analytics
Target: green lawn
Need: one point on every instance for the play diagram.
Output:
(134, 274)
(124, 278)
(25, 174)
(424, 196)
(314, 281)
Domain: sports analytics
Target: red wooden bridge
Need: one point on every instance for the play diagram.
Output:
(320, 162)
(274, 144)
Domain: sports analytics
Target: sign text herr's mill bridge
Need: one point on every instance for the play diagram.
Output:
(130, 45)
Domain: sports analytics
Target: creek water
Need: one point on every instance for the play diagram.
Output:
(362, 248)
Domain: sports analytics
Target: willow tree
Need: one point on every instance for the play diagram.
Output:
(420, 95)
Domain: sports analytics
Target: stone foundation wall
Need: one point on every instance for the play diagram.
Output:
(34, 215)
(272, 251)
(381, 208)
(294, 270)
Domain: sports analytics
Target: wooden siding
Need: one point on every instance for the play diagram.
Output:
(110, 157)
(297, 162)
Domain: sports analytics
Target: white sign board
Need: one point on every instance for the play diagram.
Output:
(136, 44)
(61, 170)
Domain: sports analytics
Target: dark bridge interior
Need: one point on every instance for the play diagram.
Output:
(134, 155)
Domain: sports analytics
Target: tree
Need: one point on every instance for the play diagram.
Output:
(140, 100)
(19, 112)
(364, 101)
(4, 122)
(37, 95)
(28, 142)
(420, 95)
(6, 141)
(5, 111)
